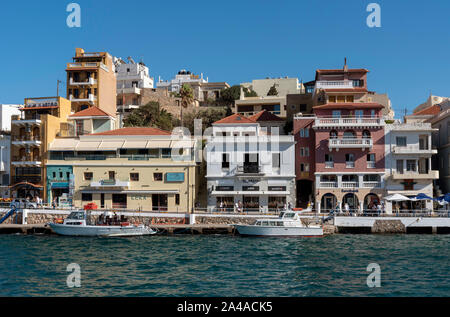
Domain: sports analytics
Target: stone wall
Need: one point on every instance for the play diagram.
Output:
(388, 226)
(166, 101)
(223, 220)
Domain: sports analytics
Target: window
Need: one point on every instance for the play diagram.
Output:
(177, 199)
(166, 153)
(112, 175)
(366, 134)
(306, 151)
(340, 98)
(225, 160)
(336, 114)
(411, 165)
(359, 113)
(328, 158)
(60, 174)
(88, 176)
(157, 176)
(331, 99)
(276, 160)
(134, 177)
(349, 98)
(86, 197)
(306, 167)
(333, 134)
(68, 175)
(54, 174)
(400, 141)
(349, 157)
(399, 166)
(371, 157)
(304, 133)
(349, 134)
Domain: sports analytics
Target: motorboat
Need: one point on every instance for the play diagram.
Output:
(288, 224)
(79, 223)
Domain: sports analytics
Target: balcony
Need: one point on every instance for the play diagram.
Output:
(45, 102)
(371, 185)
(355, 122)
(328, 184)
(413, 149)
(123, 108)
(371, 164)
(329, 164)
(334, 84)
(249, 170)
(35, 179)
(350, 164)
(33, 120)
(26, 140)
(350, 184)
(350, 144)
(91, 98)
(129, 90)
(111, 183)
(415, 175)
(26, 161)
(89, 82)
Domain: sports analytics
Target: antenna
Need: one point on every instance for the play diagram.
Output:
(57, 87)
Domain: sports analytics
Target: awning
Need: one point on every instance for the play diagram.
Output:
(88, 145)
(157, 144)
(63, 145)
(111, 145)
(396, 197)
(135, 144)
(26, 184)
(137, 192)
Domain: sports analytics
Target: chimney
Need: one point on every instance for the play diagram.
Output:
(345, 65)
(241, 95)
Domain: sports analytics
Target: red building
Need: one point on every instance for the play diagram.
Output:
(340, 147)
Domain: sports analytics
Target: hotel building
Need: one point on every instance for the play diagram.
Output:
(340, 150)
(408, 162)
(31, 134)
(130, 168)
(91, 81)
(250, 164)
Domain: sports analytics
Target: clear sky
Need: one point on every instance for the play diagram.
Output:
(233, 41)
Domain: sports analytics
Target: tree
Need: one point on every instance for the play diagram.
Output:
(272, 91)
(229, 95)
(149, 115)
(187, 98)
(249, 93)
(208, 117)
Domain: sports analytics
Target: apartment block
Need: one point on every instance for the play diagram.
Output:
(91, 81)
(31, 134)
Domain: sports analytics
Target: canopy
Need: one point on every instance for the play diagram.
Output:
(422, 197)
(445, 197)
(396, 197)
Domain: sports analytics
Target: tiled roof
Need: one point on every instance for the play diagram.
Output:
(433, 110)
(349, 105)
(265, 115)
(134, 131)
(91, 112)
(234, 118)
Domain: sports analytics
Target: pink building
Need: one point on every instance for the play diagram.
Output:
(341, 143)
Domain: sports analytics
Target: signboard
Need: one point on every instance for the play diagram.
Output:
(250, 188)
(224, 188)
(174, 177)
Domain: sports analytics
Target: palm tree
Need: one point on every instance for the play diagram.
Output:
(187, 98)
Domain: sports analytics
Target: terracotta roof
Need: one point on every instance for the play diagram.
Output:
(135, 131)
(349, 105)
(265, 115)
(356, 89)
(235, 118)
(90, 112)
(433, 110)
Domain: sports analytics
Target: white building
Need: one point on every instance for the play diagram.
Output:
(183, 77)
(6, 111)
(408, 162)
(5, 149)
(248, 166)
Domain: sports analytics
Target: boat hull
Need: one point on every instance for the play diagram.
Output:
(104, 231)
(276, 231)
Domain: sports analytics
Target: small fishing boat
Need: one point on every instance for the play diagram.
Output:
(288, 224)
(78, 224)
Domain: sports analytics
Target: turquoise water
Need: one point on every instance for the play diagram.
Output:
(220, 265)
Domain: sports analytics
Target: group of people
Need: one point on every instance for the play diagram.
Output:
(373, 208)
(239, 207)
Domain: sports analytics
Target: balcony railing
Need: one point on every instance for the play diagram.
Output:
(328, 184)
(371, 184)
(91, 98)
(90, 81)
(413, 149)
(348, 122)
(349, 164)
(248, 169)
(329, 164)
(350, 184)
(328, 84)
(26, 138)
(350, 143)
(415, 175)
(347, 185)
(371, 164)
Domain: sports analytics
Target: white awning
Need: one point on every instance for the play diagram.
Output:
(135, 144)
(63, 145)
(88, 145)
(158, 144)
(111, 145)
(182, 144)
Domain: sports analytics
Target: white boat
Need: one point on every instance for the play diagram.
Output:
(77, 224)
(289, 224)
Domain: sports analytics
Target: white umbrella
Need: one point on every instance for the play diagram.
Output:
(396, 197)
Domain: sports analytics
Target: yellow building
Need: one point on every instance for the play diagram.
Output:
(91, 81)
(31, 133)
(130, 168)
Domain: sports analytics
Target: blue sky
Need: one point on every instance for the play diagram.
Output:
(233, 41)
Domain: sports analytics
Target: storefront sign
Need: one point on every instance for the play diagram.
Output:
(224, 188)
(250, 188)
(349, 190)
(174, 177)
(277, 188)
(138, 197)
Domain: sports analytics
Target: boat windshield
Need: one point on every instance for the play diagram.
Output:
(289, 215)
(282, 214)
(78, 215)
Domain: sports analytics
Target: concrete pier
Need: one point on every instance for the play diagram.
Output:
(40, 228)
